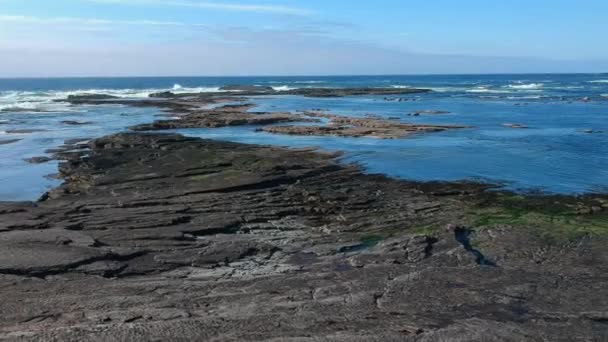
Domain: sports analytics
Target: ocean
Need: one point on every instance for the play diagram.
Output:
(564, 149)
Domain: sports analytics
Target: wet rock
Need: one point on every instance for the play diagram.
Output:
(229, 115)
(428, 112)
(160, 236)
(163, 95)
(9, 141)
(38, 160)
(236, 87)
(75, 123)
(89, 97)
(343, 126)
(24, 131)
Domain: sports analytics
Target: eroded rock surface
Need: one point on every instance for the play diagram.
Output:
(162, 237)
(344, 126)
(228, 115)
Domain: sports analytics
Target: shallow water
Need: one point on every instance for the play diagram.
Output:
(552, 155)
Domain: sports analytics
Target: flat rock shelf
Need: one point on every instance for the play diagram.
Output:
(163, 237)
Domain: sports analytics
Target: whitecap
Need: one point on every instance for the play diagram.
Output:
(598, 81)
(524, 97)
(604, 95)
(522, 86)
(309, 82)
(282, 88)
(177, 86)
(400, 87)
(479, 90)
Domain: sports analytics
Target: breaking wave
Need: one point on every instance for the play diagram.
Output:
(283, 88)
(598, 81)
(522, 86)
(50, 101)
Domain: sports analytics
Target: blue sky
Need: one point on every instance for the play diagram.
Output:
(288, 37)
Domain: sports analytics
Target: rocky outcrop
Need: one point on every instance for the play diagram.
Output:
(239, 91)
(90, 97)
(163, 237)
(344, 126)
(37, 160)
(229, 115)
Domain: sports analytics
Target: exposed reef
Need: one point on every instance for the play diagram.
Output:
(158, 236)
(344, 126)
(228, 115)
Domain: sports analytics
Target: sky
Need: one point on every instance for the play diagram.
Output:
(42, 38)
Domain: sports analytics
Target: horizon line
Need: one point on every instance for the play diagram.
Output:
(311, 75)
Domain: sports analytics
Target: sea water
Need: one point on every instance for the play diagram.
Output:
(555, 154)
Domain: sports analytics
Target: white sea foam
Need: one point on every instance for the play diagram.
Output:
(524, 97)
(598, 81)
(604, 95)
(28, 101)
(283, 88)
(530, 86)
(400, 87)
(47, 101)
(479, 90)
(309, 82)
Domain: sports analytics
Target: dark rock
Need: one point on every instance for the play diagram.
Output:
(75, 123)
(236, 87)
(24, 131)
(159, 236)
(513, 125)
(164, 237)
(90, 97)
(38, 160)
(229, 115)
(8, 141)
(163, 95)
(430, 112)
(358, 127)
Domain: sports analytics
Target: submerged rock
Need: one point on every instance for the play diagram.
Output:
(513, 125)
(75, 123)
(236, 87)
(24, 131)
(38, 160)
(8, 141)
(430, 112)
(591, 131)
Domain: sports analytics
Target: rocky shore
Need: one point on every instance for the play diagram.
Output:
(344, 126)
(239, 115)
(156, 237)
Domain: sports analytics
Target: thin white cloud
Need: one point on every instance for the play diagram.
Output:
(273, 9)
(22, 19)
